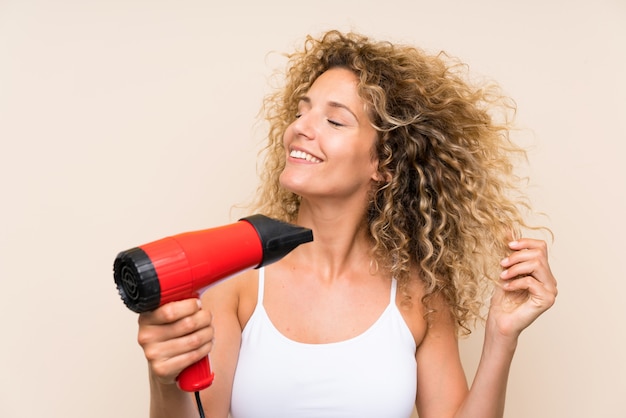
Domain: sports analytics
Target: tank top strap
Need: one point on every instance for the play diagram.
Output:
(392, 293)
(259, 300)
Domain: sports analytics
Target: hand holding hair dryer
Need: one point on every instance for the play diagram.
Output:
(181, 266)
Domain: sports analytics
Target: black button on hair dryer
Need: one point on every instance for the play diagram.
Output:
(181, 266)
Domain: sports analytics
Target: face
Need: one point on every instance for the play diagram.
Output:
(330, 144)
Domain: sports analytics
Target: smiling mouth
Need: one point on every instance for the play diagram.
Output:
(301, 155)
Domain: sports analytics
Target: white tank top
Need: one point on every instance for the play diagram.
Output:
(373, 375)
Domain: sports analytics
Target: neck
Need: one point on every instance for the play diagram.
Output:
(341, 241)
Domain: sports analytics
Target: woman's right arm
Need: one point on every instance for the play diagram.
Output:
(173, 336)
(179, 334)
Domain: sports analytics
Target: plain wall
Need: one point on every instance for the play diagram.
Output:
(125, 121)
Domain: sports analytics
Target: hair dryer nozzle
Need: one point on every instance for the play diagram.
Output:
(278, 238)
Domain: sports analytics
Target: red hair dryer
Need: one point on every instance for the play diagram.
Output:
(181, 266)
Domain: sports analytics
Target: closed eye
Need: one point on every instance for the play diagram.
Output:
(335, 123)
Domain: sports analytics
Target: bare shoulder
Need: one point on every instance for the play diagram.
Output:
(236, 295)
(409, 302)
(424, 318)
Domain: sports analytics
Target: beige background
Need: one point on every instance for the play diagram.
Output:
(125, 121)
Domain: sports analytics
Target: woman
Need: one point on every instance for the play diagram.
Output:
(404, 172)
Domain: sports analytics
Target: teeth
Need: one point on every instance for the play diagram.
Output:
(301, 155)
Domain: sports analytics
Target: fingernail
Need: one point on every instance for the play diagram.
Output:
(504, 261)
(512, 243)
(199, 302)
(503, 274)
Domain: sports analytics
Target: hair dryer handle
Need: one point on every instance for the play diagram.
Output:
(196, 377)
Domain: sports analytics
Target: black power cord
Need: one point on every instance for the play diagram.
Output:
(199, 403)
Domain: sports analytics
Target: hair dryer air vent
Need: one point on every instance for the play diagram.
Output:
(137, 280)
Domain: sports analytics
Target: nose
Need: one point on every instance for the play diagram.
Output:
(303, 125)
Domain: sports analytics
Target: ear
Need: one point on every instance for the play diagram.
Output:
(376, 175)
(379, 177)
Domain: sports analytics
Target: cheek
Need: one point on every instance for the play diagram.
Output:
(366, 161)
(289, 130)
(286, 135)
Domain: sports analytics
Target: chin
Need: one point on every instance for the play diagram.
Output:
(292, 185)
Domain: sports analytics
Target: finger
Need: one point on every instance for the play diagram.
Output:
(514, 269)
(170, 312)
(528, 251)
(167, 369)
(525, 249)
(531, 270)
(528, 243)
(150, 333)
(200, 340)
(535, 266)
(541, 296)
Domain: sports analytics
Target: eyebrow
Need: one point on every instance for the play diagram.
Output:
(307, 100)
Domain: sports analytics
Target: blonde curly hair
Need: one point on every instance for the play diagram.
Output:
(450, 200)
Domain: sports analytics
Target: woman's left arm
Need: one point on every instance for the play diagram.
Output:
(527, 288)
